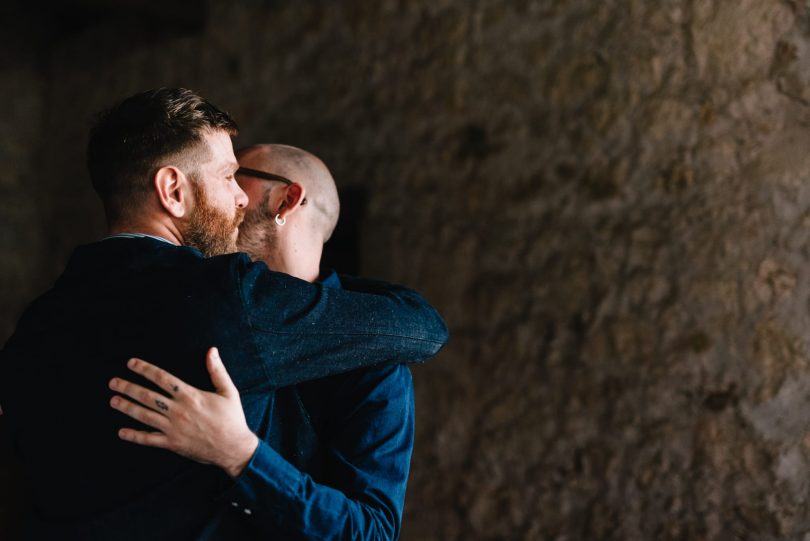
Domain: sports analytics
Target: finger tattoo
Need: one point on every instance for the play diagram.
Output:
(162, 405)
(175, 388)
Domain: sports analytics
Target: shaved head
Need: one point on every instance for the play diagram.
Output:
(287, 185)
(302, 167)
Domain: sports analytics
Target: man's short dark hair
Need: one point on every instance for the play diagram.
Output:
(132, 140)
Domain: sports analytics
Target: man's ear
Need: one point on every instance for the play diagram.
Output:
(294, 197)
(172, 185)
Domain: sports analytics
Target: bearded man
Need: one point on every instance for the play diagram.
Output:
(165, 286)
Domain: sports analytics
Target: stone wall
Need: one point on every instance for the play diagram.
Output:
(609, 202)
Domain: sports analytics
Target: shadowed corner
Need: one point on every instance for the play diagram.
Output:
(342, 252)
(17, 506)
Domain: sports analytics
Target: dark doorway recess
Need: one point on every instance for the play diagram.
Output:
(342, 252)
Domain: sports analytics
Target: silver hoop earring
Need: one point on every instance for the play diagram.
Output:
(280, 221)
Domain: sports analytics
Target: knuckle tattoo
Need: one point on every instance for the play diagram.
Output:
(162, 406)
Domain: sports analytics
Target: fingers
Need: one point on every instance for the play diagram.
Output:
(156, 375)
(140, 413)
(219, 376)
(151, 439)
(148, 398)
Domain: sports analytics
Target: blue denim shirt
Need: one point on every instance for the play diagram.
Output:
(120, 298)
(363, 423)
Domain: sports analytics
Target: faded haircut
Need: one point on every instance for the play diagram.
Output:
(130, 141)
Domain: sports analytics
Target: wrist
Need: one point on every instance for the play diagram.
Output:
(241, 456)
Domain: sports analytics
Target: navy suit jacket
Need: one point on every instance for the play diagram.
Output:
(125, 297)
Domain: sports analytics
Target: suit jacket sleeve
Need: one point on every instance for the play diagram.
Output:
(303, 331)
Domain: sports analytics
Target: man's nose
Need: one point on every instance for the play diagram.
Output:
(240, 197)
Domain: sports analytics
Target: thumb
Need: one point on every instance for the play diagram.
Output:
(219, 376)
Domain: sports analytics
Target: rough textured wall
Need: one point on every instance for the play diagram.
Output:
(609, 202)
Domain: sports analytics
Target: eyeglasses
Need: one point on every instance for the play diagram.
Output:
(264, 175)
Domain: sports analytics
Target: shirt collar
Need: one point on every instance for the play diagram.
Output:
(138, 236)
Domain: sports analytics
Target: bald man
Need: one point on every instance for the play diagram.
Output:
(345, 441)
(300, 189)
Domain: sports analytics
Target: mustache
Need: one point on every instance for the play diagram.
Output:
(239, 217)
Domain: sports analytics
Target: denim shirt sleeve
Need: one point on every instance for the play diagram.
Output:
(303, 331)
(279, 499)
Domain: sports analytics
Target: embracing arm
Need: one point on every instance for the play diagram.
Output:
(210, 427)
(303, 331)
(281, 498)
